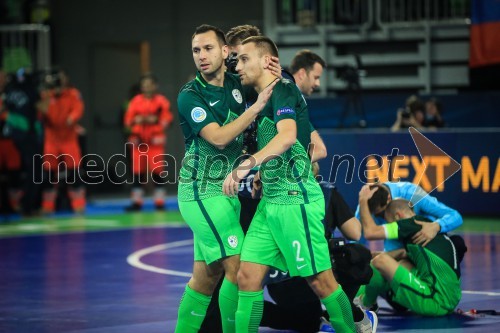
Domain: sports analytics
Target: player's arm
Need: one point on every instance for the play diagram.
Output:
(286, 137)
(130, 115)
(371, 230)
(447, 219)
(317, 148)
(221, 136)
(76, 108)
(351, 229)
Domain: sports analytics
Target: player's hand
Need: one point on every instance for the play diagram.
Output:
(139, 119)
(151, 119)
(231, 184)
(275, 67)
(366, 193)
(265, 95)
(257, 186)
(426, 234)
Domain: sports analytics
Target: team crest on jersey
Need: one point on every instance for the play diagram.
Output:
(237, 96)
(285, 111)
(198, 114)
(233, 241)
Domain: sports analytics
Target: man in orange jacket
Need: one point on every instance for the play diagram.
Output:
(61, 107)
(147, 117)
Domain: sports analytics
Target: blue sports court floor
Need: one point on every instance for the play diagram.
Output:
(113, 272)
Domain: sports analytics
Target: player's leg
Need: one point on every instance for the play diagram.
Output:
(156, 168)
(219, 238)
(301, 239)
(139, 171)
(76, 188)
(50, 177)
(251, 296)
(259, 251)
(197, 295)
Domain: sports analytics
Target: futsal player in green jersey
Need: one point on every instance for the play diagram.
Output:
(212, 116)
(287, 231)
(429, 282)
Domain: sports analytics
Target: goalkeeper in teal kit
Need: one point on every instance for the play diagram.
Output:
(429, 282)
(212, 116)
(287, 231)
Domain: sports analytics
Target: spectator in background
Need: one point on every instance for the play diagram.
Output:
(433, 114)
(412, 115)
(10, 160)
(147, 117)
(61, 107)
(23, 126)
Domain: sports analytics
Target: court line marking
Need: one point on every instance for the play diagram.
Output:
(487, 293)
(134, 259)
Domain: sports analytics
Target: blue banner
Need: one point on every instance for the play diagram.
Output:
(357, 157)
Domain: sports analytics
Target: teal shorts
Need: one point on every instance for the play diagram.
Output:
(289, 238)
(215, 223)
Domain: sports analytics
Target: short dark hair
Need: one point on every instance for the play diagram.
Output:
(305, 59)
(379, 198)
(238, 34)
(206, 28)
(398, 205)
(263, 43)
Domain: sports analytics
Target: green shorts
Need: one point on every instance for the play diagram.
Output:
(289, 238)
(416, 294)
(215, 223)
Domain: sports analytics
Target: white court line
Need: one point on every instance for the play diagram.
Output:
(134, 259)
(487, 293)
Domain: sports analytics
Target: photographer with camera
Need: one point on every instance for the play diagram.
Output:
(61, 107)
(412, 115)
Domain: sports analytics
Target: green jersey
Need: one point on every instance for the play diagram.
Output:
(436, 266)
(204, 166)
(441, 245)
(288, 178)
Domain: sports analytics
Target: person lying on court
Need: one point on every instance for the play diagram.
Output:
(426, 280)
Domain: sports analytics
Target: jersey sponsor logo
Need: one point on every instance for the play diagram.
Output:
(198, 114)
(237, 96)
(213, 103)
(233, 241)
(285, 111)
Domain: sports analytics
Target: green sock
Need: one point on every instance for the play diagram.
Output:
(249, 314)
(339, 309)
(192, 311)
(228, 304)
(376, 287)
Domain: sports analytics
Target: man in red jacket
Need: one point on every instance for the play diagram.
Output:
(61, 107)
(147, 117)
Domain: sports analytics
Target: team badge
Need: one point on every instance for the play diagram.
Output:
(285, 111)
(198, 114)
(237, 96)
(233, 241)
